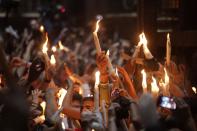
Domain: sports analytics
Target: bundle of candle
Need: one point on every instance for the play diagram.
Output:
(73, 84)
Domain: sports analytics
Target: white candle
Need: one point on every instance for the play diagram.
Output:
(166, 85)
(168, 50)
(144, 82)
(95, 36)
(96, 91)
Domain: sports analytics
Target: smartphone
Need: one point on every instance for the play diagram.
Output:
(167, 102)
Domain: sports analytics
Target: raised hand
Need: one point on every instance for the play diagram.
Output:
(35, 95)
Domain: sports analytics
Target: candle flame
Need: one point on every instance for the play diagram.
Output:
(62, 47)
(43, 105)
(107, 53)
(144, 41)
(80, 91)
(62, 93)
(97, 25)
(44, 47)
(52, 60)
(97, 78)
(144, 82)
(54, 49)
(41, 28)
(194, 90)
(168, 36)
(154, 86)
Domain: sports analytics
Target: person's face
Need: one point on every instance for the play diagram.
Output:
(76, 104)
(88, 105)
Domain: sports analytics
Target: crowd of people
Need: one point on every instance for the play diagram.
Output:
(48, 83)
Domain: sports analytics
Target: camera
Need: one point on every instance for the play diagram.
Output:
(167, 102)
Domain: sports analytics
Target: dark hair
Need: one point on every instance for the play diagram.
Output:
(77, 97)
(122, 112)
(88, 99)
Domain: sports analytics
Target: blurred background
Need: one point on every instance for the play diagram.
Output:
(126, 17)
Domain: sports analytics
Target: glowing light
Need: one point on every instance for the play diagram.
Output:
(97, 25)
(167, 79)
(43, 105)
(144, 82)
(63, 126)
(154, 86)
(116, 70)
(54, 49)
(62, 93)
(97, 78)
(52, 60)
(168, 50)
(45, 48)
(80, 91)
(194, 90)
(42, 28)
(144, 41)
(62, 47)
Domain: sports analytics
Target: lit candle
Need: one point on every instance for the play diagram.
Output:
(144, 82)
(111, 69)
(147, 52)
(168, 50)
(154, 88)
(194, 90)
(96, 91)
(95, 36)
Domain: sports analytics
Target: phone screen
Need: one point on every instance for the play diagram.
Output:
(167, 102)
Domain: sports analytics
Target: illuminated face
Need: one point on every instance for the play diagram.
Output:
(88, 105)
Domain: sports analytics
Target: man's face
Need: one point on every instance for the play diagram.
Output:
(76, 104)
(88, 105)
